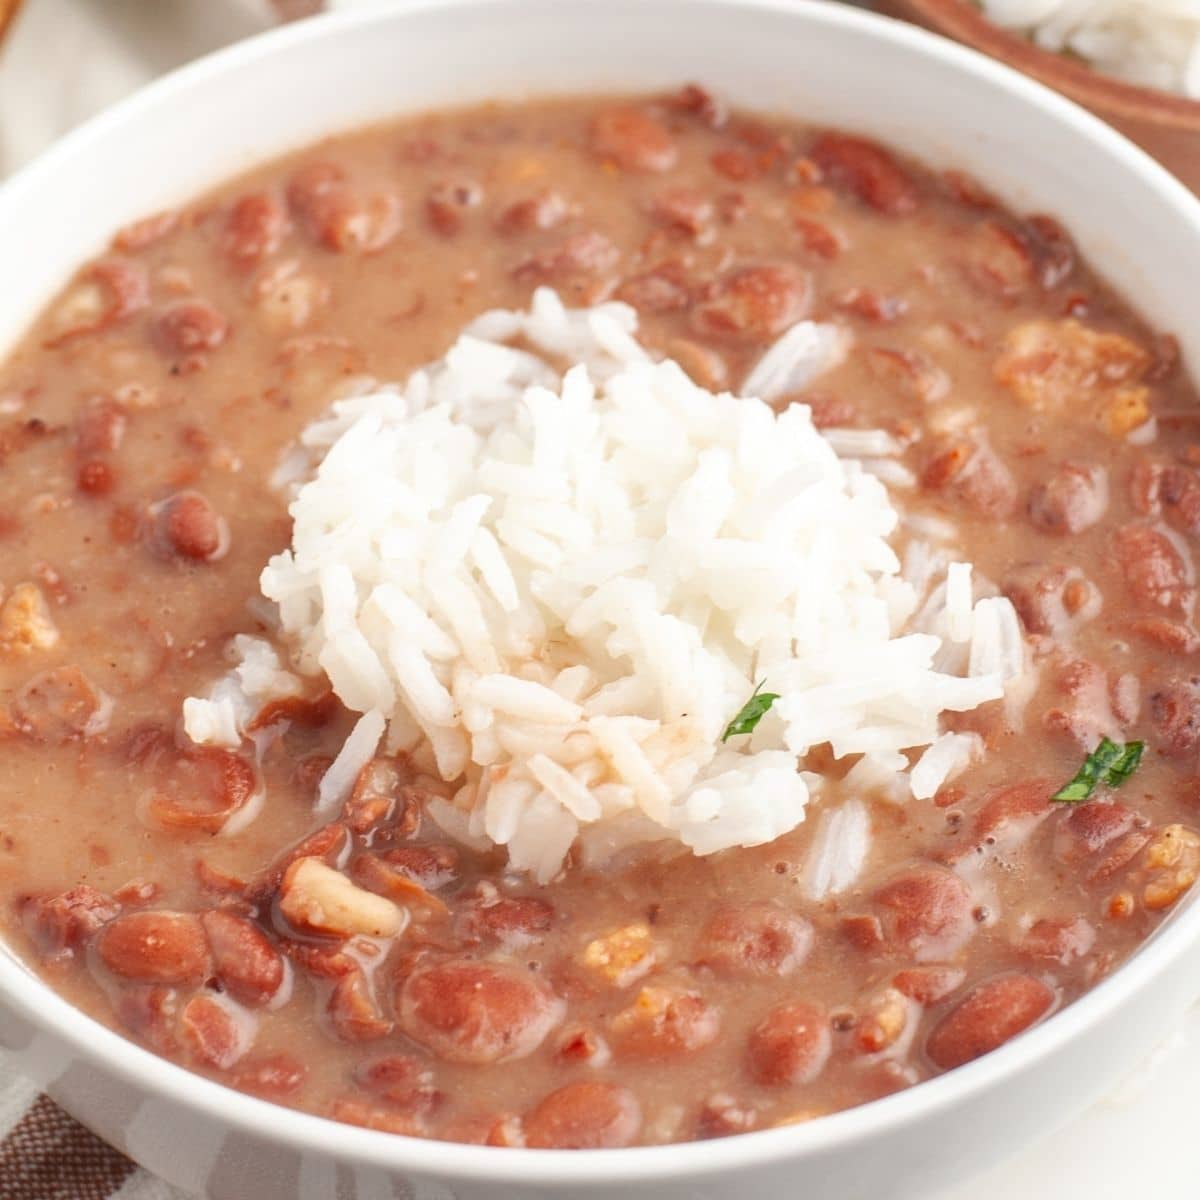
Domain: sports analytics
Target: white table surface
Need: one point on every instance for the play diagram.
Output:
(1141, 1142)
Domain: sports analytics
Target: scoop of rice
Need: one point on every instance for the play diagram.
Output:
(559, 589)
(1154, 43)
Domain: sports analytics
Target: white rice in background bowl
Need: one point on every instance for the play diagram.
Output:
(1153, 43)
(557, 590)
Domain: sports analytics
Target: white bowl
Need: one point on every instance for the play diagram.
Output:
(825, 63)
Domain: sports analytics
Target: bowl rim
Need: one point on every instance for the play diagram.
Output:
(154, 1076)
(965, 20)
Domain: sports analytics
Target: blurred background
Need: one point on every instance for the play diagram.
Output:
(62, 60)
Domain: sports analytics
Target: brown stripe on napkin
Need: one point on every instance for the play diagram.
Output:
(49, 1156)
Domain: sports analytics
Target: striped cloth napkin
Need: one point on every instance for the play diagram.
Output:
(47, 1155)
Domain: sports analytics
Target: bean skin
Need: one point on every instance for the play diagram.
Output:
(790, 1046)
(992, 1014)
(476, 1012)
(585, 1116)
(156, 947)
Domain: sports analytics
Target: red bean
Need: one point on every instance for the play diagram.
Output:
(1072, 499)
(702, 364)
(1053, 250)
(928, 985)
(305, 712)
(585, 1116)
(156, 947)
(790, 1046)
(926, 913)
(583, 265)
(754, 303)
(1091, 703)
(1172, 636)
(204, 786)
(1040, 595)
(758, 939)
(1060, 939)
(328, 961)
(189, 327)
(546, 210)
(664, 289)
(872, 306)
(254, 229)
(274, 1076)
(700, 103)
(581, 1044)
(327, 843)
(149, 1012)
(683, 209)
(1153, 568)
(137, 893)
(59, 926)
(997, 259)
(967, 190)
(1179, 491)
(140, 234)
(831, 412)
(1010, 813)
(1175, 717)
(476, 1012)
(215, 1036)
(1145, 487)
(487, 1129)
(100, 427)
(353, 1010)
(95, 477)
(911, 374)
(248, 966)
(1104, 835)
(665, 1022)
(863, 930)
(970, 473)
(373, 798)
(722, 1115)
(60, 705)
(337, 215)
(432, 867)
(106, 293)
(447, 204)
(819, 239)
(992, 1014)
(188, 526)
(632, 139)
(402, 1080)
(510, 920)
(351, 1110)
(734, 164)
(867, 170)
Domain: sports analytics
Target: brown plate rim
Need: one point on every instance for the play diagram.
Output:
(964, 20)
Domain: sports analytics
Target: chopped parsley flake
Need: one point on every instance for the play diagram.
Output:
(751, 713)
(1109, 764)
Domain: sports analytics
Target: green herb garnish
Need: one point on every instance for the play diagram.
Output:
(1109, 764)
(751, 713)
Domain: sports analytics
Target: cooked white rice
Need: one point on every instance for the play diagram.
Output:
(1155, 43)
(557, 590)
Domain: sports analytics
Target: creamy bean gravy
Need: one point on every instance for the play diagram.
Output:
(667, 998)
